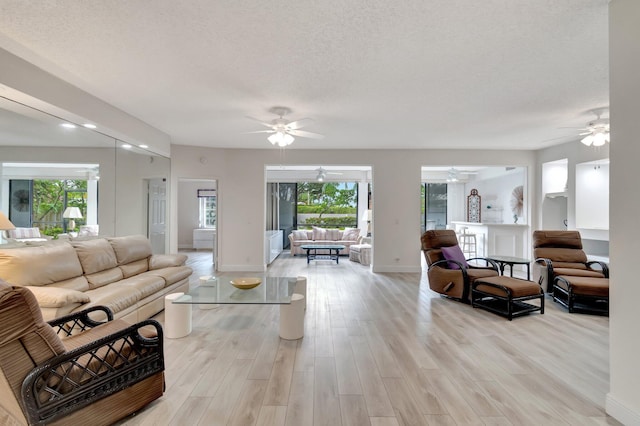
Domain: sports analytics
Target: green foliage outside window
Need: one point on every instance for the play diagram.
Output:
(328, 198)
(52, 197)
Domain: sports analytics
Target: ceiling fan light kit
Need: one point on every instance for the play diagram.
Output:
(597, 133)
(281, 139)
(283, 131)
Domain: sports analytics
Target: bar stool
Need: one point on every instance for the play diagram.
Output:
(468, 243)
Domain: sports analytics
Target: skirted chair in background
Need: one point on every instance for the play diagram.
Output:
(560, 253)
(74, 370)
(449, 273)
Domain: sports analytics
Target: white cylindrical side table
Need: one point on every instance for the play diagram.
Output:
(292, 318)
(177, 317)
(301, 288)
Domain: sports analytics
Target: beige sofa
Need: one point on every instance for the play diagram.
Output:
(118, 272)
(320, 236)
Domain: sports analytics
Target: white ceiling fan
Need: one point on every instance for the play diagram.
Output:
(283, 131)
(596, 133)
(322, 174)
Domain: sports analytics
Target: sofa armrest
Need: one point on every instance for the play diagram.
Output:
(79, 321)
(57, 297)
(159, 261)
(105, 366)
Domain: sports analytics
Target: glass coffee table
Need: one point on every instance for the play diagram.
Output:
(255, 290)
(220, 290)
(333, 249)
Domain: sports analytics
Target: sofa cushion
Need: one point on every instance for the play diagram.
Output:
(56, 297)
(159, 261)
(77, 283)
(115, 297)
(134, 268)
(95, 255)
(319, 233)
(300, 235)
(454, 253)
(130, 248)
(102, 278)
(351, 234)
(145, 284)
(172, 274)
(334, 234)
(55, 262)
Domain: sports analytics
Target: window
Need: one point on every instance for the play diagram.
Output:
(44, 202)
(207, 208)
(327, 204)
(433, 206)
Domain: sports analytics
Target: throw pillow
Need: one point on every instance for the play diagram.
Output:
(57, 297)
(24, 233)
(319, 233)
(351, 234)
(454, 253)
(300, 235)
(333, 234)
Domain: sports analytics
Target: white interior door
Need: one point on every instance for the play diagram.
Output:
(157, 215)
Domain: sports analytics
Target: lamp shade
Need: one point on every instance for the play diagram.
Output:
(5, 223)
(367, 215)
(72, 213)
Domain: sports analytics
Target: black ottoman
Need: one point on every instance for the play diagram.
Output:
(582, 294)
(505, 296)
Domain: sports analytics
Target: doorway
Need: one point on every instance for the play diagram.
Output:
(157, 214)
(198, 204)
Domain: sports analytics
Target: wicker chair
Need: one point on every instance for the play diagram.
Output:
(74, 370)
(453, 283)
(559, 253)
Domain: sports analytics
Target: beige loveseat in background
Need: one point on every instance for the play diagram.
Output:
(320, 236)
(118, 272)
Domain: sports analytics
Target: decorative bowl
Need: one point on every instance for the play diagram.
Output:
(245, 283)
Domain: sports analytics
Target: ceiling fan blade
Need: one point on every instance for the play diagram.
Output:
(262, 131)
(294, 125)
(304, 134)
(260, 121)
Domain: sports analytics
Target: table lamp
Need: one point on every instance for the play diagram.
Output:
(72, 213)
(5, 224)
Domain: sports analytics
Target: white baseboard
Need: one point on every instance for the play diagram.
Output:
(396, 268)
(620, 412)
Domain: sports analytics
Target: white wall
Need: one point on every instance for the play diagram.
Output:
(623, 400)
(575, 153)
(396, 176)
(496, 192)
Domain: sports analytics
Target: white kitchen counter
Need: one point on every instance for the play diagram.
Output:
(506, 239)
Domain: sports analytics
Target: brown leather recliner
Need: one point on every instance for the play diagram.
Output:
(97, 373)
(560, 253)
(453, 283)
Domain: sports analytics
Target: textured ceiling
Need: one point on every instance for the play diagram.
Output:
(377, 74)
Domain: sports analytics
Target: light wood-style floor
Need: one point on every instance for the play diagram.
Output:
(381, 350)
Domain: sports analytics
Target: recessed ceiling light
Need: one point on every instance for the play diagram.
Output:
(89, 126)
(143, 146)
(126, 146)
(68, 125)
